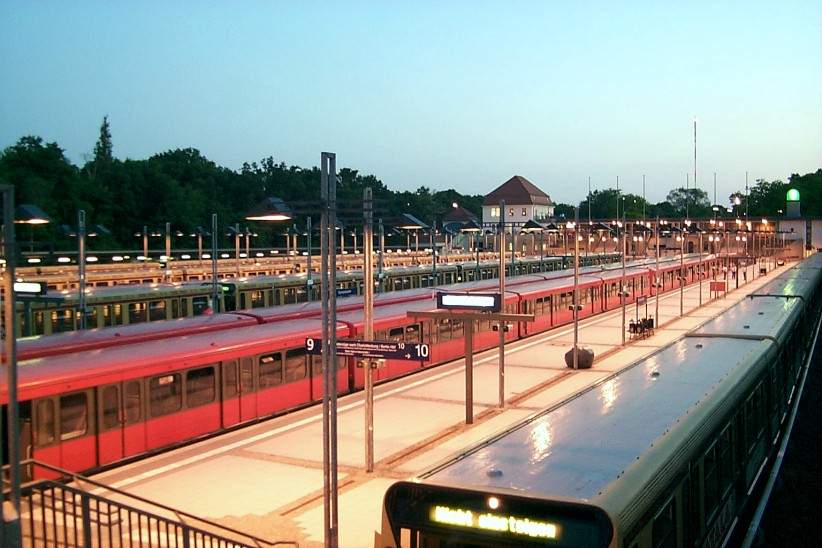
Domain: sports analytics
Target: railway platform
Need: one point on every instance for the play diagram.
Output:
(266, 479)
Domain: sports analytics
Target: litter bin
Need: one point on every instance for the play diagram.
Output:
(585, 358)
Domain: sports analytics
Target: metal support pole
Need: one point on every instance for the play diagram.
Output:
(699, 268)
(200, 249)
(576, 287)
(215, 292)
(248, 243)
(145, 245)
(433, 252)
(368, 293)
(328, 189)
(81, 266)
(309, 279)
(656, 274)
(380, 258)
(477, 251)
(237, 247)
(168, 243)
(469, 371)
(623, 289)
(12, 523)
(501, 399)
(682, 275)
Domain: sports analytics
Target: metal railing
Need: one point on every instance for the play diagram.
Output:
(59, 514)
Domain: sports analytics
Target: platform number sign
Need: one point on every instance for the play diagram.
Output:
(382, 350)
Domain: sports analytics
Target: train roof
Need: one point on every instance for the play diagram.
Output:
(760, 317)
(74, 341)
(579, 449)
(78, 370)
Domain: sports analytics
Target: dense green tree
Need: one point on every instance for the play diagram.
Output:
(693, 201)
(604, 205)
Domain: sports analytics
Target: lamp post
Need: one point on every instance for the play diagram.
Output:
(656, 274)
(576, 287)
(30, 214)
(11, 527)
(623, 292)
(473, 228)
(270, 209)
(199, 233)
(501, 351)
(532, 227)
(309, 280)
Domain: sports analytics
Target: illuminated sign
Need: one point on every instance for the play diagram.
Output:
(489, 521)
(489, 302)
(30, 288)
(793, 195)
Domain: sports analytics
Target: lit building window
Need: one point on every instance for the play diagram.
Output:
(511, 212)
(494, 212)
(524, 211)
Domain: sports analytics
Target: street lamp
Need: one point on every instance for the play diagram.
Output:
(200, 233)
(472, 227)
(270, 209)
(408, 222)
(30, 214)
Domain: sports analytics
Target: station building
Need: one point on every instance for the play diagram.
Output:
(523, 202)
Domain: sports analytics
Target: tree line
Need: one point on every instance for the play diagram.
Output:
(184, 187)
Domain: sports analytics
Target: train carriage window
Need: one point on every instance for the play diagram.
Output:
(456, 329)
(396, 334)
(73, 416)
(230, 379)
(156, 311)
(246, 375)
(200, 387)
(175, 308)
(165, 394)
(44, 434)
(136, 312)
(444, 327)
(412, 333)
(113, 314)
(295, 364)
(663, 532)
(132, 402)
(257, 299)
(271, 370)
(111, 406)
(62, 320)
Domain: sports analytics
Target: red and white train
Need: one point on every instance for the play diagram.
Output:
(101, 398)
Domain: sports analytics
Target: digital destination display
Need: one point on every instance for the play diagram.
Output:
(493, 522)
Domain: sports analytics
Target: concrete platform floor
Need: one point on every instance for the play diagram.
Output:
(266, 479)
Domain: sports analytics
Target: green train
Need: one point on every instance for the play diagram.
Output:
(58, 311)
(673, 451)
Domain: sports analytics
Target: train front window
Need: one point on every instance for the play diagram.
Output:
(200, 388)
(73, 416)
(165, 394)
(45, 422)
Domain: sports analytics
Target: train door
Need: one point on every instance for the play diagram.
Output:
(230, 399)
(248, 396)
(121, 430)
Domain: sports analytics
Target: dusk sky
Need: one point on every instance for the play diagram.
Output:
(444, 94)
